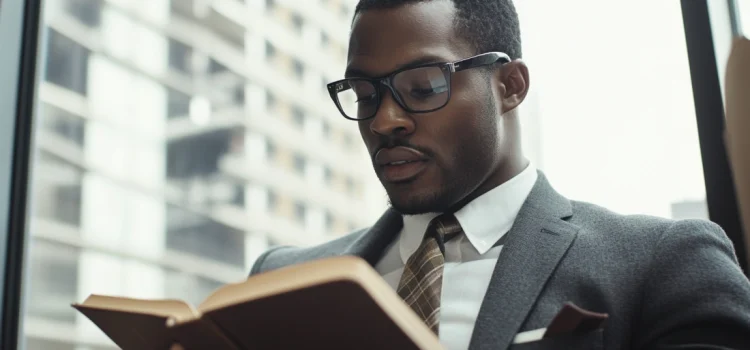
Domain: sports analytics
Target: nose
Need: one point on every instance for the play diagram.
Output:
(391, 119)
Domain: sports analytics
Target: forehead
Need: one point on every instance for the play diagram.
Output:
(383, 40)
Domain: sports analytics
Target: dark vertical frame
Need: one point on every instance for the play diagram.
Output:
(709, 111)
(19, 23)
(734, 17)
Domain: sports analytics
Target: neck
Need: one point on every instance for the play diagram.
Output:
(509, 169)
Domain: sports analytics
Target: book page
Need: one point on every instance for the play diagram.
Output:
(167, 308)
(737, 109)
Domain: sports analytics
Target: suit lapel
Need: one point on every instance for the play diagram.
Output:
(538, 240)
(371, 245)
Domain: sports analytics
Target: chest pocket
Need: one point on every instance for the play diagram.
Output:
(585, 341)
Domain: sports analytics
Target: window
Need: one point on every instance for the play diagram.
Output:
(299, 163)
(326, 129)
(619, 171)
(178, 104)
(298, 22)
(270, 101)
(743, 7)
(325, 40)
(270, 51)
(300, 211)
(54, 271)
(299, 116)
(273, 200)
(299, 69)
(89, 12)
(197, 156)
(58, 190)
(270, 150)
(327, 174)
(62, 123)
(67, 64)
(192, 233)
(180, 56)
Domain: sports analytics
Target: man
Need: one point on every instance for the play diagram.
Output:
(434, 87)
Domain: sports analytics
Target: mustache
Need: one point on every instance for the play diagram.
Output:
(400, 142)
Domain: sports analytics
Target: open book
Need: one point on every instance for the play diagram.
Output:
(334, 303)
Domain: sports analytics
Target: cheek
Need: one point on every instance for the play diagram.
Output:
(365, 134)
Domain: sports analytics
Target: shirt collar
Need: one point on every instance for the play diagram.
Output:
(484, 220)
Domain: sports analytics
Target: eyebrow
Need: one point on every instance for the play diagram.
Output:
(354, 72)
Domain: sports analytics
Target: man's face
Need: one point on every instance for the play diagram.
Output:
(427, 162)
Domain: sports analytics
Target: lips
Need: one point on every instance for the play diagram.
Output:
(400, 164)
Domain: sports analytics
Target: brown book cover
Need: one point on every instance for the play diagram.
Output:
(333, 303)
(737, 108)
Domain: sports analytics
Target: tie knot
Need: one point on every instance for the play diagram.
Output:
(444, 227)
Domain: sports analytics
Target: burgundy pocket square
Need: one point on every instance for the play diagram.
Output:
(573, 319)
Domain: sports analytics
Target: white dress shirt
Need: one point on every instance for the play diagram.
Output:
(469, 258)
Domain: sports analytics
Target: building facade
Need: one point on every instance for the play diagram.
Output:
(176, 141)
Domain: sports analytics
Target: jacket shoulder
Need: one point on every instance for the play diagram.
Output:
(281, 256)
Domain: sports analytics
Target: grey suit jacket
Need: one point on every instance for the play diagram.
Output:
(665, 284)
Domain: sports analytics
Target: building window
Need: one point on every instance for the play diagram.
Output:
(238, 95)
(273, 200)
(299, 69)
(300, 211)
(89, 12)
(329, 220)
(54, 275)
(327, 174)
(270, 50)
(67, 63)
(299, 163)
(197, 156)
(298, 116)
(298, 22)
(216, 67)
(180, 56)
(178, 104)
(192, 233)
(270, 149)
(325, 129)
(63, 123)
(270, 100)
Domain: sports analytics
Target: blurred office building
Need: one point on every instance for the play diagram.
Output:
(177, 140)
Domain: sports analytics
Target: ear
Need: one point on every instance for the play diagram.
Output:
(514, 84)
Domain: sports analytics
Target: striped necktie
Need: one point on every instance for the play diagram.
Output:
(422, 280)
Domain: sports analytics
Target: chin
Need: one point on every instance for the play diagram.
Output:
(412, 203)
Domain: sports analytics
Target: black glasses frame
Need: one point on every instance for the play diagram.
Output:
(448, 68)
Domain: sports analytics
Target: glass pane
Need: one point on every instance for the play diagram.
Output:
(610, 116)
(171, 150)
(175, 144)
(743, 6)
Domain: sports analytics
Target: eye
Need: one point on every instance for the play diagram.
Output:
(366, 99)
(426, 92)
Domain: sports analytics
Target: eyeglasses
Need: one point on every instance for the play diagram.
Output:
(421, 89)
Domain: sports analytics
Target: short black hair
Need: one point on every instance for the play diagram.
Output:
(488, 25)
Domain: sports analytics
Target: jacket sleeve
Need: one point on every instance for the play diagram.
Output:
(695, 294)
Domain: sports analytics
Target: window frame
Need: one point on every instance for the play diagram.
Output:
(20, 37)
(706, 69)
